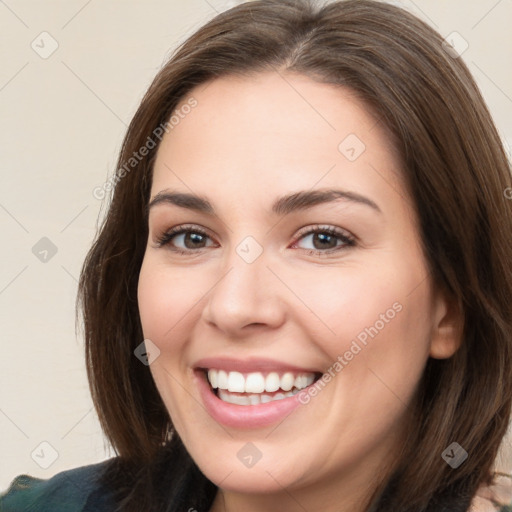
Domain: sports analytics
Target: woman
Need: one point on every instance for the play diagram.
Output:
(300, 296)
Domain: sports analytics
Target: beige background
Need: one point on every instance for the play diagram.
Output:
(62, 122)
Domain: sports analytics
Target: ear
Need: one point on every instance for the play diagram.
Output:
(447, 327)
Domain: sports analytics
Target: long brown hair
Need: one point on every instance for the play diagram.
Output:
(457, 173)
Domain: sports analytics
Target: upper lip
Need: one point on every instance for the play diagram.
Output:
(250, 365)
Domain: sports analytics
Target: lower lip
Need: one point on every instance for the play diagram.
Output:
(243, 416)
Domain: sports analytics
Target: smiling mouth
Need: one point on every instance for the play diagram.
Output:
(257, 387)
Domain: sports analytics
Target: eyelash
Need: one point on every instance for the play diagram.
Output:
(348, 241)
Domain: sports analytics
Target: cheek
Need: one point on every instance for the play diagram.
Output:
(168, 301)
(349, 299)
(167, 298)
(375, 316)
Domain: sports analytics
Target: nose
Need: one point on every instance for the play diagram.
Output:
(247, 296)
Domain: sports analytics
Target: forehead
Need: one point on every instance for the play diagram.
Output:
(269, 132)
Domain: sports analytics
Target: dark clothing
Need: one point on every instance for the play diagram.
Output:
(75, 490)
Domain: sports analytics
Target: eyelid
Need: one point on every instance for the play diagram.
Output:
(164, 238)
(314, 228)
(349, 240)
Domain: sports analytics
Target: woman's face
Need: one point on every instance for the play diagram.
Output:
(300, 256)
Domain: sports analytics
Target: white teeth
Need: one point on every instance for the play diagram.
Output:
(222, 379)
(287, 381)
(256, 382)
(307, 380)
(240, 400)
(252, 399)
(212, 377)
(272, 382)
(236, 382)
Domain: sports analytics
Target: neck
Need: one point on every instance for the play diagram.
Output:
(351, 493)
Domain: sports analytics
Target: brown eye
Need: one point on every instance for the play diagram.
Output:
(193, 240)
(182, 239)
(324, 239)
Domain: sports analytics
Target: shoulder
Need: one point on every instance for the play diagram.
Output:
(77, 490)
(496, 497)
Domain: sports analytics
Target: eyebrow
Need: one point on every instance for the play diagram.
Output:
(282, 206)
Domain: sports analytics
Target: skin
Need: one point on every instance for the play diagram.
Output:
(248, 142)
